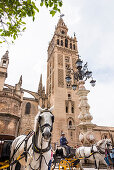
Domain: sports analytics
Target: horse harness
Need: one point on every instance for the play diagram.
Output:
(40, 150)
(35, 149)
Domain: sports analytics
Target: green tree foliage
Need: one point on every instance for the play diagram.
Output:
(13, 12)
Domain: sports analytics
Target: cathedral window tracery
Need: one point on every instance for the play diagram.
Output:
(28, 108)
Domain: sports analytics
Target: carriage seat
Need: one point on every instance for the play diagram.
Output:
(5, 150)
(60, 152)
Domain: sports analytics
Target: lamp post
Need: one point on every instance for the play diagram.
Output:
(80, 76)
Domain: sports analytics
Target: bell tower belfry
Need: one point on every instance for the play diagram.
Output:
(62, 54)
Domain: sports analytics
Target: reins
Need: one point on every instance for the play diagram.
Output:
(26, 139)
(40, 150)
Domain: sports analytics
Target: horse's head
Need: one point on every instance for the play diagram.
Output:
(45, 120)
(104, 144)
(108, 143)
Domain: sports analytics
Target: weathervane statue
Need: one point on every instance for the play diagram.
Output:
(62, 15)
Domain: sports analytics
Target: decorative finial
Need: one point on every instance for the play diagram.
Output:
(20, 81)
(62, 15)
(6, 54)
(74, 34)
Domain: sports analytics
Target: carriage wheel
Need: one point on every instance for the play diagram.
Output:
(64, 165)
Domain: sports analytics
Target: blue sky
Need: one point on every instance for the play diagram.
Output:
(93, 23)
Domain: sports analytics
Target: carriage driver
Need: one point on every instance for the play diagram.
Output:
(64, 142)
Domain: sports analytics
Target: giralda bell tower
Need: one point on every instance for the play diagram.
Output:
(62, 54)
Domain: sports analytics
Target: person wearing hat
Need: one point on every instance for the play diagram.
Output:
(64, 142)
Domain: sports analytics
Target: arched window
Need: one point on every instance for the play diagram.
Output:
(4, 62)
(61, 42)
(70, 45)
(73, 46)
(72, 109)
(27, 108)
(70, 123)
(66, 43)
(57, 41)
(66, 109)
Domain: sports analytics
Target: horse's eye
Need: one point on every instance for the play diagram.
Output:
(52, 118)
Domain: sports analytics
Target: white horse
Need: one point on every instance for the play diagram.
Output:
(97, 151)
(37, 145)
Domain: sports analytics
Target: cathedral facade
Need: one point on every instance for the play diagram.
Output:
(17, 113)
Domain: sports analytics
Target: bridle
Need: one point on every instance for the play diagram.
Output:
(36, 149)
(41, 127)
(44, 126)
(100, 149)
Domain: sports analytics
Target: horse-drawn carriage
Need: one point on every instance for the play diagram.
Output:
(95, 153)
(63, 161)
(5, 145)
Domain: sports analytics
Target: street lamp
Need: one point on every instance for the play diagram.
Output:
(81, 73)
(85, 125)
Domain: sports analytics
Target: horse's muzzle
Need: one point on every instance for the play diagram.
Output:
(46, 133)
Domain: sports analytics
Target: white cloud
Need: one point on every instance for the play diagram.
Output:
(101, 104)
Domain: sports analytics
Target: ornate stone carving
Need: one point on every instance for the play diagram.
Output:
(60, 78)
(86, 135)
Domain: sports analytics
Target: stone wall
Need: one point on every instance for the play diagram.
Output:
(10, 105)
(27, 120)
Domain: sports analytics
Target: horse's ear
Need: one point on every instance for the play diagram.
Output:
(40, 109)
(51, 109)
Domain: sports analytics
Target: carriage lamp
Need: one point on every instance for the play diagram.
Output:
(81, 73)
